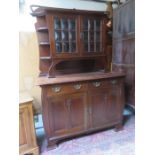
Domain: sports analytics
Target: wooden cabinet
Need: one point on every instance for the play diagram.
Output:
(27, 137)
(79, 96)
(68, 38)
(75, 106)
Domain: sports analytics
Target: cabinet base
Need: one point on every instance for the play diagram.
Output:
(118, 127)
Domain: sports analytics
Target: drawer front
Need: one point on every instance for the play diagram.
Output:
(66, 88)
(97, 84)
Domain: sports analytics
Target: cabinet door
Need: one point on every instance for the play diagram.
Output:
(92, 39)
(116, 100)
(67, 113)
(106, 105)
(63, 35)
(98, 110)
(26, 128)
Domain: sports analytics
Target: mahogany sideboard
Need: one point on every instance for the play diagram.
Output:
(81, 103)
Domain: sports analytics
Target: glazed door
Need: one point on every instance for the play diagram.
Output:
(63, 35)
(92, 39)
(67, 113)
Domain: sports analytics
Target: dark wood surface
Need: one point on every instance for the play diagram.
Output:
(78, 77)
(77, 107)
(124, 46)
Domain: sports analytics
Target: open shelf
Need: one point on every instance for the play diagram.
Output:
(45, 58)
(42, 29)
(44, 43)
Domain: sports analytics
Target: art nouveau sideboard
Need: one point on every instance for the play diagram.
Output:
(79, 94)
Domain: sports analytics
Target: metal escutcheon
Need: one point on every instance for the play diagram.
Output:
(77, 86)
(113, 81)
(96, 84)
(56, 89)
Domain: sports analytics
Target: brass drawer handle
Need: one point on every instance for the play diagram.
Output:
(77, 86)
(113, 81)
(96, 84)
(56, 89)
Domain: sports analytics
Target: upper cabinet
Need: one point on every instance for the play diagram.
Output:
(70, 35)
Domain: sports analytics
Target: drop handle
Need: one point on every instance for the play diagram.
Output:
(89, 111)
(68, 104)
(96, 84)
(82, 35)
(113, 81)
(56, 89)
(77, 86)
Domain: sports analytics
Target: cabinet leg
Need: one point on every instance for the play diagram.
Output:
(118, 127)
(52, 145)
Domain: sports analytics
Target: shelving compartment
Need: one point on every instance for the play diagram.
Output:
(44, 45)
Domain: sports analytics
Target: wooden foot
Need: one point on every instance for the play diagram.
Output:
(118, 127)
(52, 145)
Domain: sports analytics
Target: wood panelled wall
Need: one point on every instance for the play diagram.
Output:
(124, 46)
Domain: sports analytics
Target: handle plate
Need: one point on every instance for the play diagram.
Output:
(56, 89)
(77, 86)
(96, 84)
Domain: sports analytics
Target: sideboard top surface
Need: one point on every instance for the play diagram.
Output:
(78, 77)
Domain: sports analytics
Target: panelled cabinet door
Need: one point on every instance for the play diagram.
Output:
(98, 108)
(25, 129)
(67, 114)
(116, 102)
(63, 35)
(23, 122)
(106, 105)
(92, 40)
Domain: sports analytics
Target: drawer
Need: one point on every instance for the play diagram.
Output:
(103, 83)
(98, 84)
(66, 88)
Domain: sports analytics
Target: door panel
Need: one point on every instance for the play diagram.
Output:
(99, 101)
(58, 116)
(67, 113)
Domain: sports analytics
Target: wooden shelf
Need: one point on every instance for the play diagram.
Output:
(44, 43)
(45, 58)
(42, 29)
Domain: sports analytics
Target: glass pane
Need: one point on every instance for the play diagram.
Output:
(92, 47)
(86, 46)
(58, 47)
(57, 23)
(72, 47)
(72, 24)
(91, 36)
(98, 23)
(65, 35)
(91, 24)
(85, 24)
(66, 47)
(97, 36)
(57, 35)
(85, 36)
(64, 24)
(98, 47)
(72, 36)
